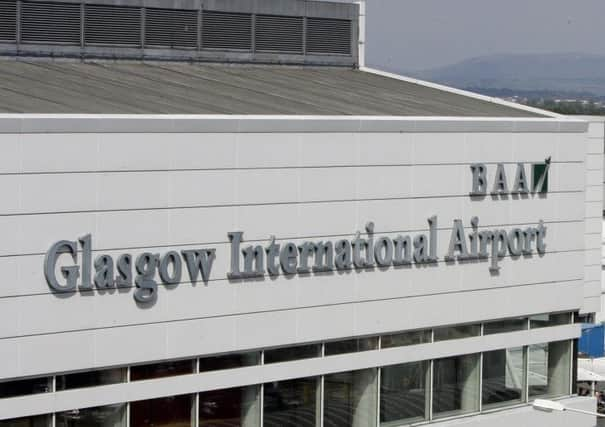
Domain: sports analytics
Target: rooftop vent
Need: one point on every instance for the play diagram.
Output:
(284, 32)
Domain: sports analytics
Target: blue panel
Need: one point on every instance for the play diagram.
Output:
(592, 341)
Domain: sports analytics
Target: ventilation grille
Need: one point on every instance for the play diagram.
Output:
(221, 30)
(328, 36)
(112, 25)
(171, 28)
(50, 23)
(279, 33)
(8, 21)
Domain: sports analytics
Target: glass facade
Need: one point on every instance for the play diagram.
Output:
(292, 402)
(404, 393)
(503, 379)
(392, 395)
(173, 411)
(549, 369)
(456, 385)
(350, 399)
(231, 407)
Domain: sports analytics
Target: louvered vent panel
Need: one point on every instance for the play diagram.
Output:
(279, 33)
(112, 25)
(8, 21)
(170, 28)
(328, 36)
(48, 23)
(221, 30)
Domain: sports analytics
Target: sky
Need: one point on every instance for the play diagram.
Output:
(422, 34)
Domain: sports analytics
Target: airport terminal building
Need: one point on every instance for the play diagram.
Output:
(213, 214)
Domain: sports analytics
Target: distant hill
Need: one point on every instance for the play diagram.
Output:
(570, 72)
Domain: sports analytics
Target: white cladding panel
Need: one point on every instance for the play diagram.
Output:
(140, 192)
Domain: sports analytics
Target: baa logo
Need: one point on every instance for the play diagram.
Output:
(520, 184)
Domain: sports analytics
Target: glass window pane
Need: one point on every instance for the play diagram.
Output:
(456, 385)
(292, 353)
(92, 378)
(508, 325)
(403, 393)
(503, 377)
(544, 320)
(350, 346)
(24, 387)
(232, 407)
(101, 416)
(456, 332)
(160, 370)
(549, 369)
(229, 361)
(292, 402)
(405, 338)
(174, 411)
(350, 398)
(37, 421)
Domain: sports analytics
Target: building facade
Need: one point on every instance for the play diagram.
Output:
(284, 246)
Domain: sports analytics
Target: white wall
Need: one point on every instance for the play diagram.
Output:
(143, 189)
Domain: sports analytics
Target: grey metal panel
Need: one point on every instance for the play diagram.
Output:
(43, 22)
(222, 30)
(112, 25)
(328, 36)
(8, 20)
(279, 33)
(171, 88)
(171, 28)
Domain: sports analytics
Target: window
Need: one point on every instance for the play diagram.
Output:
(350, 346)
(37, 421)
(508, 325)
(545, 320)
(549, 369)
(503, 377)
(405, 338)
(292, 402)
(90, 379)
(174, 411)
(160, 370)
(404, 393)
(23, 387)
(456, 385)
(456, 332)
(350, 398)
(230, 407)
(292, 353)
(229, 361)
(101, 416)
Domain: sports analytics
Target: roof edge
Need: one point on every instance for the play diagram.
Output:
(466, 93)
(169, 123)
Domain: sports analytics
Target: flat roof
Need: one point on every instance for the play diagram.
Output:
(119, 87)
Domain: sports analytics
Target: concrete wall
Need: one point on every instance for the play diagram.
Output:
(144, 189)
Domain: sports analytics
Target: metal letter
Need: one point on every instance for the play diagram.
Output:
(69, 273)
(104, 272)
(86, 242)
(369, 262)
(500, 184)
(235, 238)
(457, 243)
(521, 186)
(173, 258)
(342, 258)
(358, 244)
(403, 250)
(432, 239)
(254, 261)
(479, 179)
(306, 249)
(124, 266)
(146, 291)
(200, 261)
(272, 254)
(287, 258)
(516, 242)
(383, 252)
(541, 233)
(420, 255)
(324, 257)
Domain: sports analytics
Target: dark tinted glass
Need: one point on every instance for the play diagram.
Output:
(160, 370)
(503, 377)
(232, 407)
(350, 398)
(508, 325)
(290, 403)
(101, 416)
(403, 393)
(174, 411)
(456, 332)
(456, 385)
(24, 387)
(291, 353)
(545, 320)
(405, 338)
(350, 346)
(229, 361)
(37, 421)
(90, 379)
